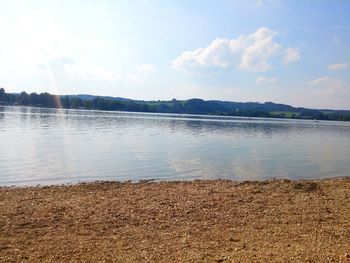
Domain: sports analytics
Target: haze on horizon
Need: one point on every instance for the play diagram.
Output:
(293, 52)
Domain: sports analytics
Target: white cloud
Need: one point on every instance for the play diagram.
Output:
(41, 44)
(145, 70)
(58, 62)
(261, 2)
(82, 71)
(141, 73)
(291, 55)
(258, 49)
(91, 72)
(97, 73)
(337, 39)
(339, 66)
(38, 31)
(327, 85)
(264, 80)
(318, 81)
(248, 52)
(216, 54)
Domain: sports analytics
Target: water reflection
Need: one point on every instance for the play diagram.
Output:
(58, 146)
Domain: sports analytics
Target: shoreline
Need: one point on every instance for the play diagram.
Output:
(184, 221)
(22, 184)
(170, 114)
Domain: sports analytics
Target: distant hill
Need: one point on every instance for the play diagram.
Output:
(91, 97)
(191, 106)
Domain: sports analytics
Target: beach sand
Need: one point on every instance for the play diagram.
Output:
(197, 221)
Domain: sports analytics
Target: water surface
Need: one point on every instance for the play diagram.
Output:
(50, 146)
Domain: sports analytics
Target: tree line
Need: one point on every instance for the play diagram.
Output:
(191, 106)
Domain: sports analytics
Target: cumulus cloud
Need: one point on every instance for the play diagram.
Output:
(329, 85)
(264, 80)
(248, 52)
(217, 54)
(257, 48)
(291, 55)
(339, 66)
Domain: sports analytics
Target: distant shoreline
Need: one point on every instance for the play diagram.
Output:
(189, 106)
(183, 221)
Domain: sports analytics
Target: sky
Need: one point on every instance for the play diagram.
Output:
(292, 52)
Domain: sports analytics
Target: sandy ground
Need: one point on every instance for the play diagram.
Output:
(199, 221)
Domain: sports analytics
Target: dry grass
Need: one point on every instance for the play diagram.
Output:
(200, 221)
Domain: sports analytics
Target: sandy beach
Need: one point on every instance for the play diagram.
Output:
(198, 221)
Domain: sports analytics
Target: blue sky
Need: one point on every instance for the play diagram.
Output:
(294, 52)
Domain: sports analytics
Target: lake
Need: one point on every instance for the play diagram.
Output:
(54, 146)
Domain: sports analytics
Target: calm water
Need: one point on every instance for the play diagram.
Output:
(49, 146)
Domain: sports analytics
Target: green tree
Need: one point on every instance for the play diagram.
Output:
(2, 94)
(24, 98)
(34, 99)
(65, 102)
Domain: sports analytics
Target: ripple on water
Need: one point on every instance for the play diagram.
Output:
(61, 146)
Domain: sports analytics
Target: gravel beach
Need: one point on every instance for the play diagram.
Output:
(196, 221)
